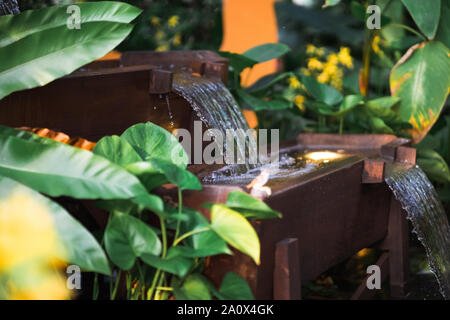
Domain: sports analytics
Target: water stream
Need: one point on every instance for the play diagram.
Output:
(427, 215)
(216, 107)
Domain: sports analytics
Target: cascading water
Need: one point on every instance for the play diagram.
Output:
(427, 215)
(216, 107)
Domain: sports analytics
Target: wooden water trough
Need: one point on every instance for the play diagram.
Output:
(328, 214)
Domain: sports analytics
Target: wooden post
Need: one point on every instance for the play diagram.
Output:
(286, 277)
(397, 244)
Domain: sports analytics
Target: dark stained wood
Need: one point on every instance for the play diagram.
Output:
(373, 171)
(389, 150)
(406, 155)
(363, 293)
(160, 81)
(286, 275)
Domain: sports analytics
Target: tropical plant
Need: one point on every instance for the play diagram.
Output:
(164, 262)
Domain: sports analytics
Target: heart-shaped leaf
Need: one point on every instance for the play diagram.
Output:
(321, 92)
(193, 288)
(152, 141)
(175, 265)
(236, 230)
(233, 287)
(116, 150)
(250, 207)
(266, 52)
(127, 238)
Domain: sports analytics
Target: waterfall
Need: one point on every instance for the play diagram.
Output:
(427, 215)
(216, 107)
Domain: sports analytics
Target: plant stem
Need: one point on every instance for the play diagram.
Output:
(165, 288)
(164, 252)
(180, 210)
(116, 286)
(399, 25)
(190, 233)
(341, 125)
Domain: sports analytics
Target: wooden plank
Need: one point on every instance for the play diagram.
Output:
(363, 293)
(373, 171)
(286, 275)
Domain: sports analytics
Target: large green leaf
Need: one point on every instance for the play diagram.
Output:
(80, 246)
(16, 27)
(321, 92)
(193, 288)
(116, 150)
(152, 141)
(250, 207)
(47, 55)
(58, 169)
(127, 238)
(236, 230)
(233, 287)
(266, 52)
(426, 15)
(421, 80)
(268, 81)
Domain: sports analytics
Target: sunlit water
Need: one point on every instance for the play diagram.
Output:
(427, 215)
(290, 165)
(216, 107)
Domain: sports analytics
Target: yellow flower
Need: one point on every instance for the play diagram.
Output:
(305, 71)
(330, 69)
(173, 21)
(299, 101)
(177, 39)
(310, 49)
(315, 64)
(27, 232)
(155, 21)
(345, 58)
(376, 44)
(320, 52)
(294, 83)
(323, 77)
(159, 35)
(163, 47)
(332, 58)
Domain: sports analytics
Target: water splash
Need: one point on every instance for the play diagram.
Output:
(215, 106)
(427, 215)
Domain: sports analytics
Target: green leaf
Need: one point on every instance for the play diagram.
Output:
(80, 246)
(236, 230)
(419, 81)
(321, 92)
(238, 61)
(58, 169)
(348, 104)
(330, 3)
(152, 141)
(184, 179)
(379, 126)
(250, 207)
(443, 33)
(233, 287)
(258, 104)
(175, 265)
(16, 27)
(268, 81)
(116, 150)
(127, 238)
(50, 54)
(202, 244)
(381, 107)
(425, 14)
(193, 288)
(266, 52)
(434, 165)
(150, 202)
